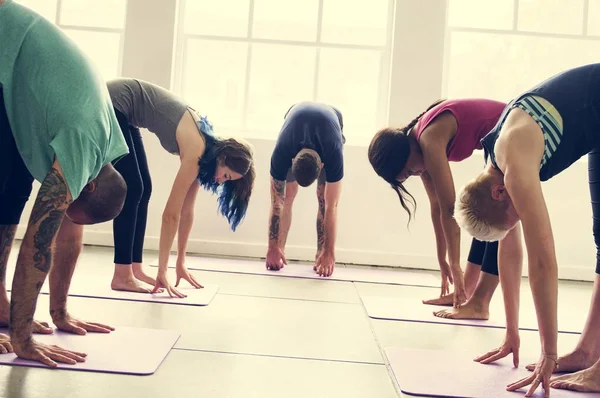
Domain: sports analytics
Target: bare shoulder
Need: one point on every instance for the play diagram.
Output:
(439, 131)
(189, 139)
(520, 143)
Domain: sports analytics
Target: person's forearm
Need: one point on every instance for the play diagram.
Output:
(183, 234)
(440, 239)
(284, 224)
(68, 247)
(277, 203)
(33, 264)
(452, 235)
(321, 218)
(510, 264)
(330, 228)
(543, 279)
(168, 230)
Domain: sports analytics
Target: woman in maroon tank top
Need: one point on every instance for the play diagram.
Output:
(448, 131)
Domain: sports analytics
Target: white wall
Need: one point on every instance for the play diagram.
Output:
(372, 225)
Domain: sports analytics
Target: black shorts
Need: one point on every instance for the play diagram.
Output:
(484, 254)
(16, 181)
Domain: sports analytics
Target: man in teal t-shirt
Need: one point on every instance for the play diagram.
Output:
(57, 126)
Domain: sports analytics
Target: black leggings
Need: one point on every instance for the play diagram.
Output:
(594, 181)
(15, 179)
(484, 254)
(129, 227)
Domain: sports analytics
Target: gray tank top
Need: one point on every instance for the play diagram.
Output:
(149, 106)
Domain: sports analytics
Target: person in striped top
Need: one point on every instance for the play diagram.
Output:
(540, 134)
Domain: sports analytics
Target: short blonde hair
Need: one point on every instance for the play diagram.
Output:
(476, 211)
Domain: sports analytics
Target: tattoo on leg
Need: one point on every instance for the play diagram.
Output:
(7, 235)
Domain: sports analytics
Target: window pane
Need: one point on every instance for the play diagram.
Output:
(593, 27)
(46, 8)
(280, 76)
(102, 47)
(488, 14)
(217, 18)
(355, 92)
(214, 85)
(100, 14)
(551, 16)
(355, 22)
(501, 66)
(286, 20)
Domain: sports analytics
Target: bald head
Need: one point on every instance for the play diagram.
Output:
(101, 200)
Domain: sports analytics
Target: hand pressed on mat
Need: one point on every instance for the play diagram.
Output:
(65, 322)
(183, 273)
(49, 355)
(163, 282)
(325, 264)
(511, 344)
(541, 375)
(275, 259)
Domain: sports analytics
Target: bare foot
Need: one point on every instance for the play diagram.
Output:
(572, 362)
(587, 380)
(447, 300)
(469, 310)
(128, 285)
(140, 275)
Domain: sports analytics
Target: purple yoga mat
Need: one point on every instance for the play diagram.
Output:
(126, 350)
(90, 284)
(354, 274)
(437, 373)
(413, 310)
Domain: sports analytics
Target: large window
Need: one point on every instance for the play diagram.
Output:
(245, 62)
(499, 48)
(97, 27)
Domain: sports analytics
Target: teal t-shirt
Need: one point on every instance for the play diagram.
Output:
(56, 101)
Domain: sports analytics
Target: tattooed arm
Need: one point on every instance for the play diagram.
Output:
(275, 258)
(320, 217)
(326, 261)
(33, 264)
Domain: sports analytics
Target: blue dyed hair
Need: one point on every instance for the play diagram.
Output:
(234, 195)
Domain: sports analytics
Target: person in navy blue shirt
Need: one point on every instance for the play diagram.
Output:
(309, 147)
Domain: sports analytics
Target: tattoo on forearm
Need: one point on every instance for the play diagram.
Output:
(279, 187)
(274, 227)
(321, 217)
(7, 235)
(52, 194)
(42, 240)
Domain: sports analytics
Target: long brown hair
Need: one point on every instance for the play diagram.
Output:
(388, 153)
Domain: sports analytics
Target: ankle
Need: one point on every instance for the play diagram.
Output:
(123, 271)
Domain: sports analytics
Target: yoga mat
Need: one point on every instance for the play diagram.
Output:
(367, 275)
(125, 350)
(413, 310)
(91, 285)
(440, 373)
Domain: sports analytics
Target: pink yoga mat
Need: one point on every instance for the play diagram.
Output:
(437, 373)
(413, 310)
(354, 274)
(126, 350)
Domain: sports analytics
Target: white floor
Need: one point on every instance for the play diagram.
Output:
(265, 337)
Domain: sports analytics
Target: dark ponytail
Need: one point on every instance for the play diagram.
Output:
(388, 153)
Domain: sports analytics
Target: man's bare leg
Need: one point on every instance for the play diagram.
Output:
(7, 237)
(587, 350)
(68, 247)
(471, 276)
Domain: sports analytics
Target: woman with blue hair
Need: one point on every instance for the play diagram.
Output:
(222, 165)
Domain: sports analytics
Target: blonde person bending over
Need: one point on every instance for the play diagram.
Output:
(540, 134)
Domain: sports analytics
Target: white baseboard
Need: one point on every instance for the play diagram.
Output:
(306, 253)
